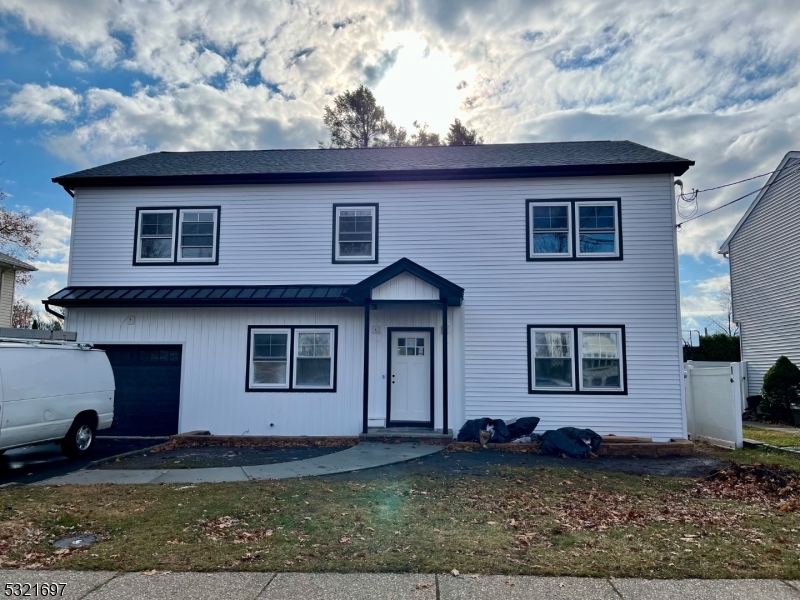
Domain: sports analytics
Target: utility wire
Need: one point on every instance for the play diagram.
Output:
(735, 182)
(779, 179)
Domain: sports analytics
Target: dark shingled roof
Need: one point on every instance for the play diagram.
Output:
(381, 164)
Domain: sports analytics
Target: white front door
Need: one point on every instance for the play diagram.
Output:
(410, 377)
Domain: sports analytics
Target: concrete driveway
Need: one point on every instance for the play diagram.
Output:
(36, 463)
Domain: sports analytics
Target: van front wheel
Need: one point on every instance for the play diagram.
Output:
(80, 438)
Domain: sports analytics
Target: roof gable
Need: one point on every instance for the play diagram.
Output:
(9, 261)
(448, 291)
(774, 178)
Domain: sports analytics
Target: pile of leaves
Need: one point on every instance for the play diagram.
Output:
(770, 485)
(229, 529)
(25, 546)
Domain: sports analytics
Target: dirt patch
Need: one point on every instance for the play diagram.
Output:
(488, 463)
(197, 456)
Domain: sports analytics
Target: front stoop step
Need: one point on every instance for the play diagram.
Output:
(406, 434)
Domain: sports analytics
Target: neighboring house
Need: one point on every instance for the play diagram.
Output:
(8, 272)
(765, 273)
(322, 292)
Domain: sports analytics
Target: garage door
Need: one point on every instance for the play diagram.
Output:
(148, 394)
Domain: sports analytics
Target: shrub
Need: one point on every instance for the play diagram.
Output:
(780, 388)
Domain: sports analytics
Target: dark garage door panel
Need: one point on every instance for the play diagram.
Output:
(148, 381)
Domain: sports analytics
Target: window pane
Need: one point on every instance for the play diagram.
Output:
(597, 242)
(196, 253)
(552, 372)
(601, 373)
(314, 372)
(552, 344)
(420, 341)
(401, 341)
(273, 372)
(156, 247)
(270, 345)
(599, 345)
(550, 217)
(596, 217)
(550, 243)
(197, 240)
(355, 249)
(197, 228)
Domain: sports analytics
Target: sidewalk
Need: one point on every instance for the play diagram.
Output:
(366, 455)
(358, 586)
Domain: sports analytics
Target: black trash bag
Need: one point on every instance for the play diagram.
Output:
(470, 432)
(522, 427)
(569, 441)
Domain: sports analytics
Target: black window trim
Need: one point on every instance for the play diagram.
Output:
(291, 358)
(573, 228)
(576, 356)
(177, 210)
(369, 261)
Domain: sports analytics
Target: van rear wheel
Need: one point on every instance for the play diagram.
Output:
(80, 438)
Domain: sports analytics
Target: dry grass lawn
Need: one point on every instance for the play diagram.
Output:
(775, 438)
(542, 521)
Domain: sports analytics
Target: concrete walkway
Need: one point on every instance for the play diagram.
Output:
(365, 455)
(358, 586)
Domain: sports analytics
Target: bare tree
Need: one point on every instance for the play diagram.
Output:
(21, 314)
(19, 237)
(724, 320)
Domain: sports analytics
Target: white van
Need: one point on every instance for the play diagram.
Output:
(54, 391)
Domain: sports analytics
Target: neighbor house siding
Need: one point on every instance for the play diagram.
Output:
(473, 234)
(765, 278)
(6, 297)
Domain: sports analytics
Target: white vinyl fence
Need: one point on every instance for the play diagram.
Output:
(715, 395)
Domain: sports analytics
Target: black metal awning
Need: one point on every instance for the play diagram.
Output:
(253, 295)
(217, 295)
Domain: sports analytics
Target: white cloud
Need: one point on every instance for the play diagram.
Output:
(701, 302)
(55, 230)
(716, 82)
(49, 104)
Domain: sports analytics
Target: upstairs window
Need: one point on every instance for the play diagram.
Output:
(550, 230)
(156, 236)
(169, 236)
(198, 234)
(597, 229)
(574, 229)
(355, 233)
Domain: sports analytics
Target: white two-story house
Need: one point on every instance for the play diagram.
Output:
(327, 292)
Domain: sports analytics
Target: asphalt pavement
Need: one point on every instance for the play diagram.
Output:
(37, 463)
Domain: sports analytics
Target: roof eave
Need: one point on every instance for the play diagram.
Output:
(676, 167)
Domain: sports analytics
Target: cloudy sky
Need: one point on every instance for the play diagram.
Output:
(84, 82)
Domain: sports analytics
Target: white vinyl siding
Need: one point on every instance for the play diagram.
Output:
(405, 287)
(445, 227)
(7, 280)
(765, 277)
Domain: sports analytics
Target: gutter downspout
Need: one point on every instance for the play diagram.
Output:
(51, 311)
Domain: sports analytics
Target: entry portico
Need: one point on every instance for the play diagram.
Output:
(412, 312)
